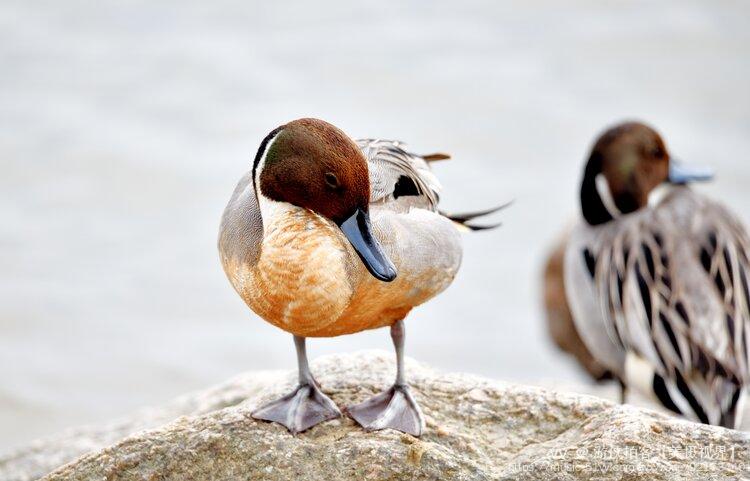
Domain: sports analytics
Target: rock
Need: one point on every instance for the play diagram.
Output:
(477, 429)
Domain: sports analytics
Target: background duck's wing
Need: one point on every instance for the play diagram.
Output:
(399, 175)
(723, 248)
(671, 285)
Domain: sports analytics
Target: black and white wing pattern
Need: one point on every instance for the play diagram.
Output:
(672, 285)
(396, 173)
(404, 180)
(725, 258)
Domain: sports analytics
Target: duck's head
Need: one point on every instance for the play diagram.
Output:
(312, 164)
(627, 162)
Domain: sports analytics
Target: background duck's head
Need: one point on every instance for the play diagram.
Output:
(312, 164)
(626, 164)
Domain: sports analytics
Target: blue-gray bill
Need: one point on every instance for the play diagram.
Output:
(680, 173)
(358, 230)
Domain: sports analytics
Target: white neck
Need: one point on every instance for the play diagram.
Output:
(658, 194)
(270, 209)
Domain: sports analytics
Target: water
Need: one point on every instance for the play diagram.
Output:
(124, 126)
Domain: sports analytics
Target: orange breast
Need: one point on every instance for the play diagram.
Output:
(309, 281)
(301, 281)
(377, 304)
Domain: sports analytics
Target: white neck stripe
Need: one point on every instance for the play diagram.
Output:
(261, 162)
(602, 187)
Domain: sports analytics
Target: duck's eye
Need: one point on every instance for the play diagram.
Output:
(657, 152)
(331, 180)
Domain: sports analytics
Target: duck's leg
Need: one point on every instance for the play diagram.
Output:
(623, 391)
(396, 407)
(304, 407)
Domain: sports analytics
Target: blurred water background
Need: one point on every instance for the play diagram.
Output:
(125, 125)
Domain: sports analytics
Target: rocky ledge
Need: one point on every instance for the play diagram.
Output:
(477, 429)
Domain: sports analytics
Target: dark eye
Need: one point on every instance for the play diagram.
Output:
(657, 152)
(331, 180)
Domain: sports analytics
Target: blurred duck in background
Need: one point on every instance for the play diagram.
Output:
(657, 279)
(560, 325)
(326, 236)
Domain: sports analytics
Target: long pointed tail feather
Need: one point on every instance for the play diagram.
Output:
(477, 227)
(463, 220)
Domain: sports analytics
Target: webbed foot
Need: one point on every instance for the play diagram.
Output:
(394, 408)
(299, 410)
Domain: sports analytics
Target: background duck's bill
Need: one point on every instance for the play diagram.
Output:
(680, 173)
(357, 229)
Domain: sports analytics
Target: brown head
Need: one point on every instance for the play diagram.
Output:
(314, 165)
(634, 160)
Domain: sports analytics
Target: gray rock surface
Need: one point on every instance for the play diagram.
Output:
(477, 429)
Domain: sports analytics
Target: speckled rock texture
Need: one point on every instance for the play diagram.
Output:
(477, 429)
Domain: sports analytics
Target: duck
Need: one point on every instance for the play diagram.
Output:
(559, 320)
(657, 278)
(327, 236)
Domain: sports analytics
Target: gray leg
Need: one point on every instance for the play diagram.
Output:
(304, 407)
(395, 408)
(623, 391)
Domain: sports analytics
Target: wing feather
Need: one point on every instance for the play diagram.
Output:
(392, 167)
(673, 289)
